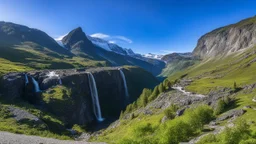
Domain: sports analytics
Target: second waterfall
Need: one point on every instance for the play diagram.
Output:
(95, 98)
(125, 85)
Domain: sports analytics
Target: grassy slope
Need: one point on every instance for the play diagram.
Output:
(30, 56)
(175, 66)
(206, 75)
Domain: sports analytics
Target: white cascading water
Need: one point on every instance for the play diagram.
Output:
(36, 85)
(60, 82)
(53, 74)
(95, 99)
(124, 80)
(26, 79)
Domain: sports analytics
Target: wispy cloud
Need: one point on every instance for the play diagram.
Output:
(60, 37)
(100, 35)
(113, 39)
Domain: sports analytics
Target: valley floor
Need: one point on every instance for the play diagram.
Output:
(10, 138)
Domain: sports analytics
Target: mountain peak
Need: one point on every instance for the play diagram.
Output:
(74, 36)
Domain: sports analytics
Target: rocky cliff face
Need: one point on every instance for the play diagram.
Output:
(228, 39)
(67, 94)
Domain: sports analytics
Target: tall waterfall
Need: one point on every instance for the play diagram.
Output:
(124, 80)
(95, 99)
(60, 82)
(36, 85)
(26, 79)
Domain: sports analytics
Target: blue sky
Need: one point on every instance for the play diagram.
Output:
(159, 26)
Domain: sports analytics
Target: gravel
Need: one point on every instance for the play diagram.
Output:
(10, 138)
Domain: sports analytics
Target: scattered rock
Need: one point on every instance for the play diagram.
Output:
(180, 111)
(148, 112)
(247, 107)
(164, 119)
(20, 114)
(230, 114)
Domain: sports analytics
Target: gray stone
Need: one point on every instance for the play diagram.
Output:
(230, 114)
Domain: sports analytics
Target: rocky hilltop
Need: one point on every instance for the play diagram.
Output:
(228, 39)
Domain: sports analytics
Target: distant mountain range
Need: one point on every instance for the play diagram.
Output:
(74, 46)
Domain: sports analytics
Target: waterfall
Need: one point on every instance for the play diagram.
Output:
(95, 99)
(53, 74)
(26, 79)
(124, 80)
(60, 82)
(36, 85)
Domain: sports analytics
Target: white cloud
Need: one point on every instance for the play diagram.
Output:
(113, 39)
(100, 35)
(122, 38)
(60, 37)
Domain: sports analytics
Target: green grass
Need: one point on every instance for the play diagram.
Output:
(51, 126)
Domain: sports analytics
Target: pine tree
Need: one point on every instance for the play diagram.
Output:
(154, 94)
(121, 115)
(235, 87)
(161, 88)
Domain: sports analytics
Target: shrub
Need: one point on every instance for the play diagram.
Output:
(199, 116)
(175, 132)
(219, 107)
(226, 100)
(235, 134)
(210, 138)
(170, 112)
(78, 128)
(248, 141)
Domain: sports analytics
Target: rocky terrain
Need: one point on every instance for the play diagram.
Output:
(227, 39)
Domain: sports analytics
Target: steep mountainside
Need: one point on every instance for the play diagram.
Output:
(14, 34)
(177, 62)
(228, 39)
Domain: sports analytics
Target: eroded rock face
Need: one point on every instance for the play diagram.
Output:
(228, 39)
(12, 85)
(75, 84)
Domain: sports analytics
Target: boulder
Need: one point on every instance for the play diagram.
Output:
(49, 82)
(12, 85)
(230, 114)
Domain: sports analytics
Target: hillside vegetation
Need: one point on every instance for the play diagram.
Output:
(235, 72)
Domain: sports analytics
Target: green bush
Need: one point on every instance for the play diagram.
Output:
(248, 141)
(199, 116)
(210, 138)
(79, 129)
(239, 134)
(219, 107)
(170, 112)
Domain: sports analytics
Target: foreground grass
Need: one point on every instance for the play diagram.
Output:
(50, 126)
(149, 129)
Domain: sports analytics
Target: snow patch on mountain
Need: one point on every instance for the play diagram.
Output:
(153, 56)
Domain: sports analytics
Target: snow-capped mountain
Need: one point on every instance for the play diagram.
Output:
(110, 46)
(153, 56)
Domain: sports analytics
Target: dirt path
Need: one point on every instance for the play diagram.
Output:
(10, 138)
